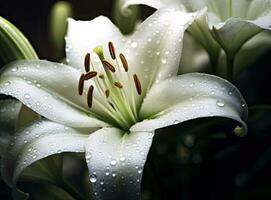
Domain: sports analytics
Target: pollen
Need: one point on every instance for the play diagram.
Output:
(137, 84)
(90, 75)
(90, 96)
(118, 84)
(87, 62)
(112, 50)
(81, 84)
(124, 62)
(109, 66)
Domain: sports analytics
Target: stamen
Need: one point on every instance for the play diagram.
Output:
(87, 62)
(90, 96)
(112, 105)
(112, 50)
(137, 84)
(118, 84)
(90, 75)
(109, 66)
(81, 84)
(107, 92)
(101, 76)
(124, 62)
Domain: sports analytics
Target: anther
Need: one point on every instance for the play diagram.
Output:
(107, 92)
(112, 50)
(90, 75)
(81, 84)
(137, 84)
(101, 76)
(90, 96)
(118, 84)
(124, 62)
(87, 62)
(109, 66)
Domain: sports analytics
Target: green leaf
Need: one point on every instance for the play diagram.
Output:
(13, 44)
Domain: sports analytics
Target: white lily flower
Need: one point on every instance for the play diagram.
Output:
(230, 23)
(110, 101)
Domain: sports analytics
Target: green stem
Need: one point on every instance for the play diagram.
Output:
(230, 67)
(213, 64)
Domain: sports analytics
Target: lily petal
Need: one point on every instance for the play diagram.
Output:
(50, 89)
(233, 33)
(115, 160)
(154, 51)
(9, 112)
(38, 141)
(84, 36)
(189, 97)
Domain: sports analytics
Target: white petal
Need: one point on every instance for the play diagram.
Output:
(50, 89)
(189, 97)
(9, 112)
(116, 161)
(38, 141)
(154, 51)
(84, 36)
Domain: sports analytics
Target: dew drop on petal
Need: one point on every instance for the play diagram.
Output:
(27, 96)
(220, 103)
(134, 44)
(113, 162)
(93, 178)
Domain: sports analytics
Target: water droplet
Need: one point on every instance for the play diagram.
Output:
(122, 158)
(176, 122)
(212, 92)
(113, 174)
(101, 182)
(220, 103)
(93, 178)
(134, 44)
(113, 162)
(107, 172)
(15, 69)
(164, 61)
(139, 171)
(7, 83)
(27, 96)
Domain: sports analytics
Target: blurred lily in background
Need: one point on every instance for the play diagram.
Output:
(110, 98)
(224, 24)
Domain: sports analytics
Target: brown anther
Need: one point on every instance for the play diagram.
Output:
(124, 62)
(118, 84)
(109, 66)
(112, 50)
(90, 75)
(90, 96)
(107, 92)
(112, 105)
(101, 76)
(137, 84)
(81, 84)
(87, 62)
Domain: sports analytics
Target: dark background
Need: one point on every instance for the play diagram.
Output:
(195, 160)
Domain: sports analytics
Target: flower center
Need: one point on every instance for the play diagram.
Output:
(111, 89)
